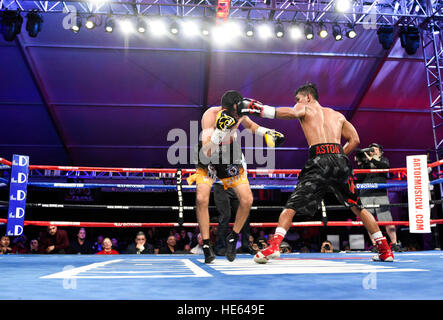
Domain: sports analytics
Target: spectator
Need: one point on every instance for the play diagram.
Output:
(227, 203)
(185, 238)
(187, 248)
(372, 158)
(285, 247)
(169, 248)
(5, 243)
(98, 245)
(34, 247)
(151, 237)
(327, 247)
(54, 240)
(141, 246)
(305, 250)
(179, 244)
(81, 245)
(116, 245)
(261, 243)
(20, 245)
(107, 247)
(198, 249)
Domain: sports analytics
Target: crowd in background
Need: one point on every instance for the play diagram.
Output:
(56, 240)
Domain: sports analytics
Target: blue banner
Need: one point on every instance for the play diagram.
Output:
(17, 195)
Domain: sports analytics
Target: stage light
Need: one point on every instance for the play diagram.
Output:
(264, 31)
(110, 24)
(233, 28)
(157, 27)
(410, 39)
(126, 26)
(77, 24)
(309, 31)
(205, 28)
(350, 32)
(295, 31)
(396, 5)
(249, 30)
(336, 32)
(343, 5)
(141, 25)
(34, 23)
(385, 36)
(90, 22)
(279, 30)
(190, 28)
(174, 28)
(11, 24)
(322, 32)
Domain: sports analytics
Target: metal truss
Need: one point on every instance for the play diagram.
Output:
(367, 13)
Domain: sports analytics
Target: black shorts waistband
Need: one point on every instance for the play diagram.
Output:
(325, 148)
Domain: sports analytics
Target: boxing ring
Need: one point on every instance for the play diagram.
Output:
(348, 275)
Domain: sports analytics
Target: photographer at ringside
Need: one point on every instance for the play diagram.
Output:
(372, 158)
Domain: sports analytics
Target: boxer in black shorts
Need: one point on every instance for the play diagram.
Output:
(328, 167)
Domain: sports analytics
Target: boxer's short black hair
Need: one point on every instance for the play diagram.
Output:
(230, 98)
(308, 88)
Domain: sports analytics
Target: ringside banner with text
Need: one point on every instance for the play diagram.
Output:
(17, 195)
(418, 194)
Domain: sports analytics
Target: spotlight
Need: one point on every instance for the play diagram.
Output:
(225, 32)
(336, 32)
(295, 31)
(190, 28)
(126, 26)
(157, 27)
(279, 30)
(350, 32)
(141, 25)
(34, 23)
(109, 24)
(90, 22)
(205, 28)
(410, 39)
(174, 29)
(309, 31)
(11, 24)
(264, 31)
(385, 36)
(322, 32)
(77, 24)
(249, 29)
(343, 5)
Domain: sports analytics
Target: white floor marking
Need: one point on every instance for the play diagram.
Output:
(304, 266)
(160, 268)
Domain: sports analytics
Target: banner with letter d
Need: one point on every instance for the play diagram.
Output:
(17, 195)
(418, 194)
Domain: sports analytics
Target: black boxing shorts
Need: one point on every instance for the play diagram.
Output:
(328, 169)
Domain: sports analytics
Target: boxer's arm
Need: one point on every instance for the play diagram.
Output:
(350, 134)
(248, 124)
(297, 112)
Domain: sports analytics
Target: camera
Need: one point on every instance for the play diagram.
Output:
(327, 247)
(360, 154)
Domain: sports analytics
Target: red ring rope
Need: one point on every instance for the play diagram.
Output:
(174, 224)
(155, 170)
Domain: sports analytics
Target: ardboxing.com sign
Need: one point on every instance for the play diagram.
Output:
(17, 195)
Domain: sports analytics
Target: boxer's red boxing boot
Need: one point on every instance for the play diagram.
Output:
(271, 252)
(384, 251)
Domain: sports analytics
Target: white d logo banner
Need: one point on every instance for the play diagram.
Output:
(418, 194)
